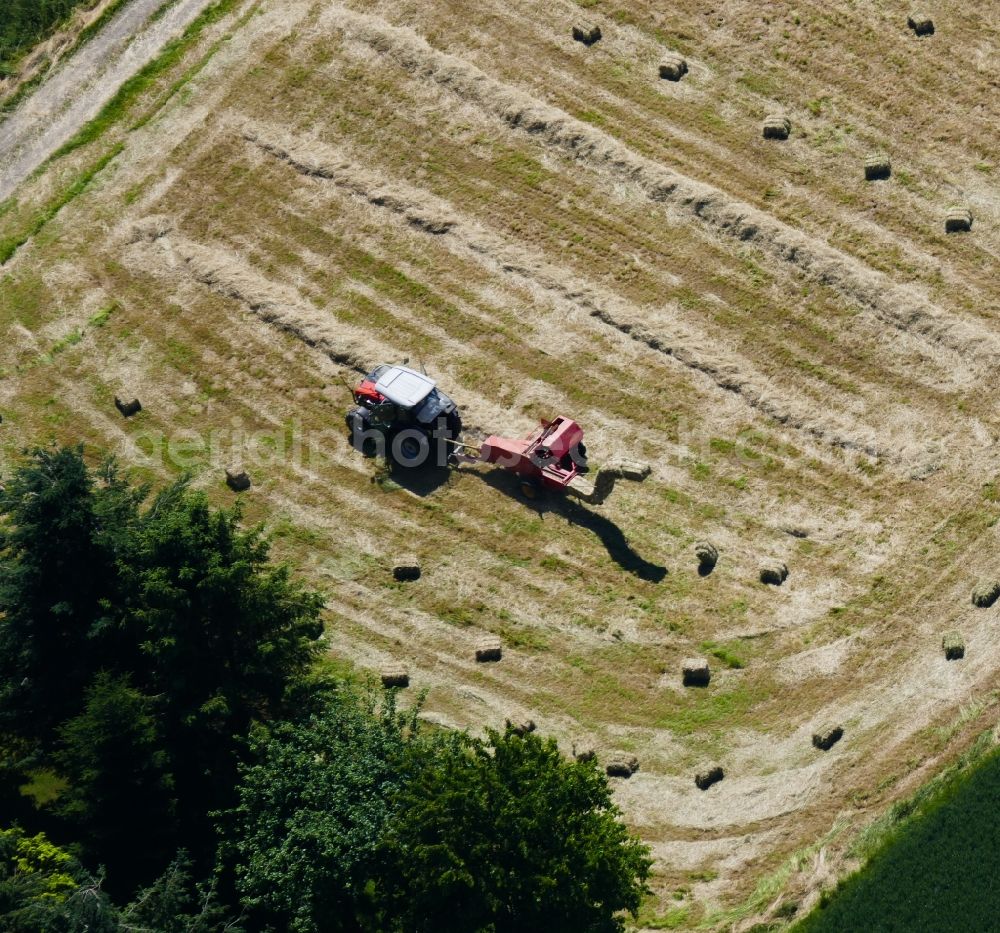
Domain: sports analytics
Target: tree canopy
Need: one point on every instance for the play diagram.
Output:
(160, 687)
(141, 639)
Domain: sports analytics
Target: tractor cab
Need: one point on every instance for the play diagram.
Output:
(396, 400)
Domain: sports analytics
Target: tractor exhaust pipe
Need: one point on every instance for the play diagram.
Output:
(604, 481)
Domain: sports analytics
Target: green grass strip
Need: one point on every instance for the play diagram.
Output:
(11, 244)
(116, 108)
(113, 112)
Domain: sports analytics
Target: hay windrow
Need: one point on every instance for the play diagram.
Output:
(900, 306)
(228, 275)
(424, 211)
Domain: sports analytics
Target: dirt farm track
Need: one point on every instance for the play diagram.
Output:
(809, 362)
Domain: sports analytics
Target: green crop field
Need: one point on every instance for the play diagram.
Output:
(937, 873)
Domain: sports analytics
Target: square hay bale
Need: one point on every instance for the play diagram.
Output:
(957, 219)
(489, 648)
(622, 765)
(673, 67)
(633, 469)
(695, 672)
(827, 736)
(985, 593)
(587, 34)
(877, 167)
(584, 755)
(520, 727)
(921, 24)
(708, 557)
(705, 779)
(953, 645)
(395, 676)
(128, 407)
(237, 479)
(777, 126)
(774, 573)
(406, 568)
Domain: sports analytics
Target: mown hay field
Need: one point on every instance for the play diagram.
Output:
(805, 357)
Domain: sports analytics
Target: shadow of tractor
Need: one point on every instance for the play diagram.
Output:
(576, 513)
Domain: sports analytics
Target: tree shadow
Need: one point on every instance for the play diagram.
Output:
(576, 513)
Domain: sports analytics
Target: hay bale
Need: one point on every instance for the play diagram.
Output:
(588, 34)
(985, 593)
(406, 568)
(632, 469)
(395, 676)
(588, 754)
(128, 408)
(877, 167)
(776, 126)
(705, 779)
(622, 765)
(774, 573)
(695, 672)
(673, 67)
(953, 645)
(237, 479)
(827, 736)
(708, 557)
(520, 727)
(489, 648)
(957, 219)
(921, 24)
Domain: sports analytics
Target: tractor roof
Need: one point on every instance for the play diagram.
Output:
(403, 386)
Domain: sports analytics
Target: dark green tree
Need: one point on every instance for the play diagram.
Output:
(174, 903)
(61, 530)
(119, 796)
(173, 597)
(312, 815)
(508, 836)
(222, 637)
